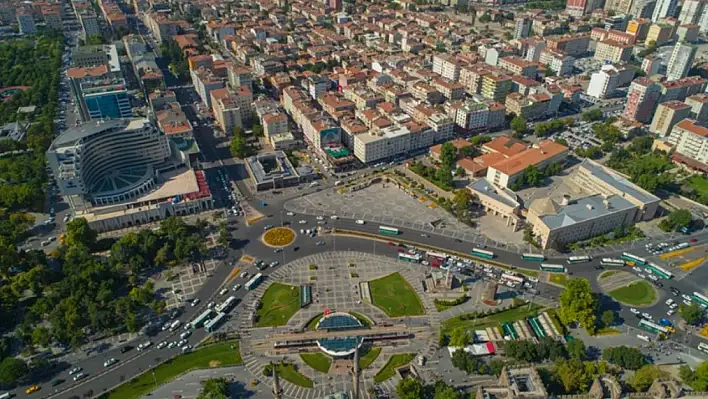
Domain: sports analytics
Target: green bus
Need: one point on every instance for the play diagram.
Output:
(661, 272)
(480, 253)
(533, 257)
(389, 231)
(547, 267)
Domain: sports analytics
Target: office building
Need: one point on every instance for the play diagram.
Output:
(504, 173)
(667, 115)
(681, 61)
(642, 98)
(25, 21)
(105, 99)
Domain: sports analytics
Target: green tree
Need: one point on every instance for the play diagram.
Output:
(578, 303)
(444, 176)
(692, 314)
(410, 388)
(697, 379)
(224, 235)
(677, 220)
(518, 124)
(642, 379)
(460, 337)
(576, 349)
(41, 337)
(460, 172)
(573, 375)
(238, 146)
(607, 318)
(214, 388)
(12, 370)
(592, 115)
(78, 232)
(625, 357)
(444, 391)
(462, 199)
(257, 130)
(448, 155)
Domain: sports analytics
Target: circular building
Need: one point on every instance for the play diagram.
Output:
(342, 346)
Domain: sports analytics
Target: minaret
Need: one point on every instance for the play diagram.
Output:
(277, 390)
(356, 373)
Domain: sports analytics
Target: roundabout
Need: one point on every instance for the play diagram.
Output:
(278, 237)
(639, 294)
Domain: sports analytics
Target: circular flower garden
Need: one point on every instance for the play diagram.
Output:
(279, 237)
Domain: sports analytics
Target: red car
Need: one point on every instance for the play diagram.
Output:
(692, 240)
(391, 244)
(400, 250)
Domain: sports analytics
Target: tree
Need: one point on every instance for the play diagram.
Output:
(525, 351)
(410, 388)
(677, 220)
(625, 357)
(607, 318)
(518, 124)
(576, 349)
(578, 303)
(41, 337)
(238, 146)
(697, 379)
(444, 176)
(214, 388)
(691, 313)
(462, 199)
(460, 172)
(592, 115)
(224, 235)
(486, 18)
(257, 130)
(444, 391)
(642, 379)
(79, 232)
(562, 141)
(12, 370)
(448, 155)
(460, 337)
(573, 375)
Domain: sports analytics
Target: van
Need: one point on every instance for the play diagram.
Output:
(359, 221)
(185, 334)
(6, 395)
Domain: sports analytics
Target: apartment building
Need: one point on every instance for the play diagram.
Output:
(226, 109)
(682, 88)
(613, 51)
(472, 116)
(495, 86)
(603, 83)
(240, 76)
(559, 63)
(691, 11)
(450, 90)
(573, 45)
(361, 97)
(660, 33)
(681, 61)
(690, 140)
(639, 28)
(204, 82)
(699, 107)
(274, 124)
(578, 8)
(667, 115)
(642, 98)
(446, 66)
(519, 66)
(687, 33)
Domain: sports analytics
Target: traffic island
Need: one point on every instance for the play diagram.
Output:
(639, 293)
(395, 296)
(278, 237)
(279, 303)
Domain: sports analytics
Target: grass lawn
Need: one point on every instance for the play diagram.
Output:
(608, 273)
(440, 307)
(698, 183)
(290, 374)
(556, 321)
(318, 361)
(395, 296)
(607, 331)
(490, 321)
(639, 293)
(369, 357)
(363, 319)
(527, 272)
(312, 324)
(389, 370)
(558, 278)
(218, 355)
(279, 303)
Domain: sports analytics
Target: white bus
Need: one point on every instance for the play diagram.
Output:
(700, 298)
(578, 259)
(611, 262)
(512, 278)
(226, 306)
(415, 258)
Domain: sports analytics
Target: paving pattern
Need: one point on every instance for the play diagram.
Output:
(336, 288)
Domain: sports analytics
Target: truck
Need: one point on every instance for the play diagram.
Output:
(664, 322)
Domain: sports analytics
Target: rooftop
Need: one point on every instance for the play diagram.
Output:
(503, 195)
(692, 126)
(580, 210)
(546, 150)
(618, 182)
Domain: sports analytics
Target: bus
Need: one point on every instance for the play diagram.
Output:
(199, 321)
(409, 258)
(703, 347)
(480, 253)
(661, 272)
(611, 262)
(389, 231)
(578, 259)
(533, 257)
(633, 258)
(652, 327)
(546, 267)
(227, 305)
(514, 279)
(215, 323)
(700, 298)
(253, 283)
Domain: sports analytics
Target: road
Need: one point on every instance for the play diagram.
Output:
(245, 240)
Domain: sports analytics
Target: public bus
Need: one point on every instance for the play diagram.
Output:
(652, 327)
(633, 258)
(480, 253)
(199, 321)
(389, 231)
(546, 267)
(703, 347)
(215, 323)
(227, 305)
(436, 258)
(254, 282)
(659, 271)
(611, 262)
(409, 258)
(578, 259)
(533, 257)
(700, 298)
(512, 278)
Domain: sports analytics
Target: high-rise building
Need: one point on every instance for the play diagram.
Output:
(667, 115)
(664, 9)
(699, 107)
(690, 140)
(603, 83)
(680, 61)
(522, 27)
(25, 20)
(105, 100)
(691, 11)
(642, 98)
(578, 8)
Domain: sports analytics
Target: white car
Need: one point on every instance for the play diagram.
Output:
(640, 275)
(359, 221)
(686, 297)
(161, 345)
(75, 370)
(320, 218)
(653, 277)
(224, 291)
(236, 287)
(144, 345)
(303, 221)
(670, 312)
(195, 301)
(333, 217)
(673, 306)
(687, 303)
(211, 305)
(290, 214)
(79, 376)
(633, 310)
(669, 301)
(647, 316)
(110, 362)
